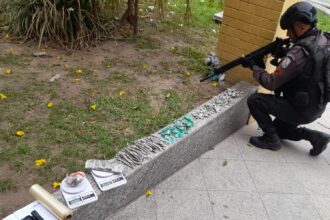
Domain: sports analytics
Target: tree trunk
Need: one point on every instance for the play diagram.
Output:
(187, 14)
(135, 26)
(131, 15)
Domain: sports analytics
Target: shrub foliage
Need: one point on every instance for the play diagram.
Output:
(72, 23)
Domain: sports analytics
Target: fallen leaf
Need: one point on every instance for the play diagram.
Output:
(10, 51)
(215, 84)
(6, 37)
(20, 133)
(225, 163)
(56, 185)
(40, 162)
(148, 193)
(50, 104)
(93, 107)
(3, 96)
(79, 71)
(144, 66)
(121, 93)
(188, 73)
(8, 71)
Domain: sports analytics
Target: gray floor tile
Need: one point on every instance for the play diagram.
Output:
(249, 130)
(229, 175)
(313, 177)
(189, 177)
(326, 155)
(298, 152)
(325, 119)
(274, 177)
(144, 208)
(227, 149)
(250, 153)
(290, 207)
(319, 125)
(237, 205)
(183, 205)
(322, 204)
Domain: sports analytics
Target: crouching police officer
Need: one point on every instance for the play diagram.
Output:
(298, 96)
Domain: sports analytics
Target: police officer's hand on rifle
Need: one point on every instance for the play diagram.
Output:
(247, 62)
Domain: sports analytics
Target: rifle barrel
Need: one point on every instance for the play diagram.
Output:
(269, 48)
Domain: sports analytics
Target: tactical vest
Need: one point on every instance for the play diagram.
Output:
(312, 87)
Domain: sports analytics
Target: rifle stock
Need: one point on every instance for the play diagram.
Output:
(271, 48)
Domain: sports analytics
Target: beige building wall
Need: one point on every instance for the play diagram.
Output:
(246, 26)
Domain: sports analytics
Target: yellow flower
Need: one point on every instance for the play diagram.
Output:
(8, 71)
(93, 107)
(50, 104)
(56, 185)
(20, 133)
(79, 71)
(40, 162)
(215, 84)
(3, 96)
(6, 37)
(148, 193)
(121, 93)
(188, 73)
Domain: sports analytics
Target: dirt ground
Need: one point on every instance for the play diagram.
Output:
(128, 58)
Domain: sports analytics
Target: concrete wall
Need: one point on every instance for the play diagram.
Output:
(246, 26)
(203, 136)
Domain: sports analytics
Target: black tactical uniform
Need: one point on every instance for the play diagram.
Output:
(298, 96)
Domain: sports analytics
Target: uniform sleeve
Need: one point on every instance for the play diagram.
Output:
(290, 67)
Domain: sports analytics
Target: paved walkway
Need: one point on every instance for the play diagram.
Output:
(235, 181)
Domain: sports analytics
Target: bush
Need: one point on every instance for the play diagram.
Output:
(72, 23)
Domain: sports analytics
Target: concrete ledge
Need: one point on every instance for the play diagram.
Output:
(205, 134)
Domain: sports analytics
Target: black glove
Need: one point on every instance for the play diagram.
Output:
(247, 62)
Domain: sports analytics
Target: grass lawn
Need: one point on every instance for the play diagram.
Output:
(105, 97)
(323, 21)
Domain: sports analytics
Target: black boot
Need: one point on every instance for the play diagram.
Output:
(319, 140)
(270, 140)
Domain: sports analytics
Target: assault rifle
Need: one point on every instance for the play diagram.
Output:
(277, 48)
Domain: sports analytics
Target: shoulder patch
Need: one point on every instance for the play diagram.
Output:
(285, 62)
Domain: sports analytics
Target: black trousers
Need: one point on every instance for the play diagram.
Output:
(287, 116)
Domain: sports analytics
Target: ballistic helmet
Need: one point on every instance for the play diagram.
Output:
(300, 11)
